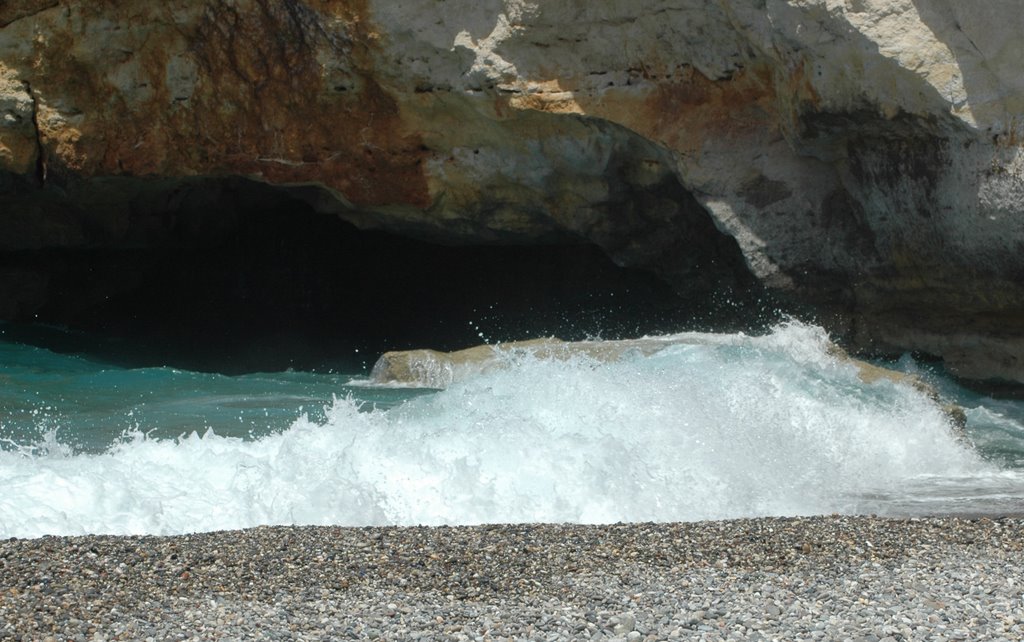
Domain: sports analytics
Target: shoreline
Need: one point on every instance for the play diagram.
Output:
(828, 577)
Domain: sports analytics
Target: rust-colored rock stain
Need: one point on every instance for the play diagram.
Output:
(280, 91)
(686, 111)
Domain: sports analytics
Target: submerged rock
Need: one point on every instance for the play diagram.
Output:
(863, 158)
(435, 369)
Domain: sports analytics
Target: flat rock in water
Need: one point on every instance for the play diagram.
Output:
(424, 368)
(436, 369)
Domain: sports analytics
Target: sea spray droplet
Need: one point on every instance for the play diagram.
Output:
(725, 427)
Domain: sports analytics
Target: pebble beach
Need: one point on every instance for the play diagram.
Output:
(814, 578)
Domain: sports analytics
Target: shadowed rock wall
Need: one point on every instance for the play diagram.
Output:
(861, 157)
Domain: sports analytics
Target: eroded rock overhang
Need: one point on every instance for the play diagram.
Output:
(862, 156)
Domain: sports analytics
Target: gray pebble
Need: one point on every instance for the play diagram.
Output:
(782, 579)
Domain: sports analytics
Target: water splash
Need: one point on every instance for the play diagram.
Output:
(728, 427)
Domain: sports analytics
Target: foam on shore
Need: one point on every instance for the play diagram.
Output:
(734, 426)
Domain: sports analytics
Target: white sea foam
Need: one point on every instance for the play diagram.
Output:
(738, 426)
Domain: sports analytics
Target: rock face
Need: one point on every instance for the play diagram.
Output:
(859, 156)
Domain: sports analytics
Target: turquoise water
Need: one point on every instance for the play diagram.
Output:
(726, 426)
(87, 406)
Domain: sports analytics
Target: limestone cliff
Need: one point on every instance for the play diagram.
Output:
(861, 156)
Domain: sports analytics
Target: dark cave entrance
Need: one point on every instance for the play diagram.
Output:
(254, 280)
